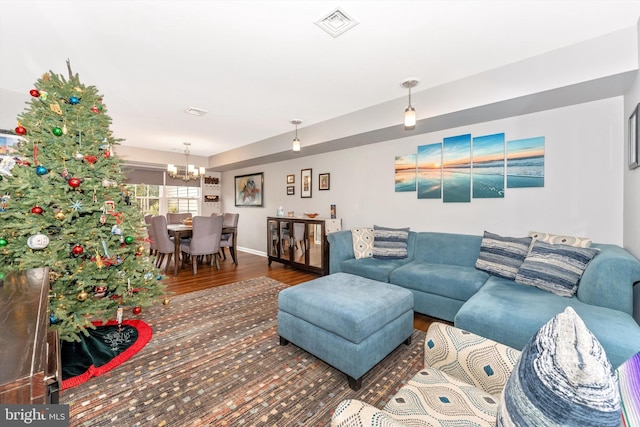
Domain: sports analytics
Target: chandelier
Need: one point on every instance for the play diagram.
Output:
(190, 172)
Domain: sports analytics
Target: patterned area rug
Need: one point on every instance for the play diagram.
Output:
(215, 360)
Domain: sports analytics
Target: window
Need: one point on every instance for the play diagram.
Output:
(182, 199)
(147, 197)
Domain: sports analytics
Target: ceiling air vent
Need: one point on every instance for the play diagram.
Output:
(196, 111)
(336, 23)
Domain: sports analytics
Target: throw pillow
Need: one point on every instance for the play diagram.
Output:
(629, 379)
(362, 242)
(563, 378)
(555, 268)
(554, 239)
(502, 256)
(390, 243)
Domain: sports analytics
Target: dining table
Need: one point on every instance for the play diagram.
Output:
(179, 231)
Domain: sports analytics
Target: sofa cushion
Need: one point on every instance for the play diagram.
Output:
(390, 243)
(563, 377)
(451, 281)
(362, 242)
(525, 309)
(502, 256)
(447, 248)
(629, 380)
(555, 268)
(372, 268)
(555, 239)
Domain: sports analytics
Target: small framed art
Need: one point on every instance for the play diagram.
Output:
(291, 179)
(633, 139)
(291, 190)
(323, 181)
(305, 183)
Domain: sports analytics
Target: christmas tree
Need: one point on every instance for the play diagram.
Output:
(64, 207)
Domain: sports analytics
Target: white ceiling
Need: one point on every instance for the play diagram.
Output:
(256, 65)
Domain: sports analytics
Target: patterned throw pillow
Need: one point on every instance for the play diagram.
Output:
(362, 242)
(502, 256)
(555, 268)
(390, 243)
(563, 378)
(554, 239)
(629, 378)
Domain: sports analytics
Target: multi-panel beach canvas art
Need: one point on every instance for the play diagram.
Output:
(463, 167)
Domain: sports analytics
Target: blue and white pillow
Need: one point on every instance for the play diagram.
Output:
(502, 256)
(629, 379)
(555, 268)
(563, 378)
(390, 243)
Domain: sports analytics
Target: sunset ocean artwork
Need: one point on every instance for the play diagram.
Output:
(405, 173)
(488, 166)
(430, 171)
(456, 169)
(525, 162)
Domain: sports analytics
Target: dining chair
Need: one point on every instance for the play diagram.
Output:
(164, 245)
(152, 243)
(205, 241)
(228, 239)
(298, 236)
(176, 218)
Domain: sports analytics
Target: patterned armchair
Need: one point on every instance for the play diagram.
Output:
(462, 381)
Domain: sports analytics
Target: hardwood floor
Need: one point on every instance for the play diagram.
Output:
(249, 266)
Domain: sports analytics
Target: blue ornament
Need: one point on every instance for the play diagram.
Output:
(74, 100)
(52, 319)
(159, 277)
(41, 170)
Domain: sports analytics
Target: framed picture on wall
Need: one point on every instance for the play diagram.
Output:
(291, 190)
(305, 183)
(249, 189)
(323, 181)
(633, 139)
(291, 179)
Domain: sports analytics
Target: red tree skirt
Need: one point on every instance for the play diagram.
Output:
(91, 361)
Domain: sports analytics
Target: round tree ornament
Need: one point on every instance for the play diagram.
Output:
(20, 130)
(137, 310)
(74, 182)
(77, 250)
(56, 131)
(38, 241)
(41, 170)
(3, 242)
(35, 93)
(74, 100)
(37, 210)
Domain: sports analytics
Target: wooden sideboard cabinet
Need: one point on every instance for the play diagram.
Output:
(30, 367)
(300, 242)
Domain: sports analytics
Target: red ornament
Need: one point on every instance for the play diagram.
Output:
(137, 310)
(90, 158)
(36, 210)
(20, 130)
(77, 250)
(75, 182)
(35, 93)
(107, 153)
(95, 110)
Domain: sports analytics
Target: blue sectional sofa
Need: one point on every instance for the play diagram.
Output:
(440, 272)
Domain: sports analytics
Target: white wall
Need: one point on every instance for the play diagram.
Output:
(583, 192)
(631, 180)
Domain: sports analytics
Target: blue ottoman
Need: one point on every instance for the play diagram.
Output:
(349, 322)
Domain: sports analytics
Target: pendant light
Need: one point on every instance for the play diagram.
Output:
(296, 141)
(409, 112)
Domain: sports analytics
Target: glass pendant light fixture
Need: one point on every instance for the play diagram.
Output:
(190, 171)
(409, 112)
(296, 141)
